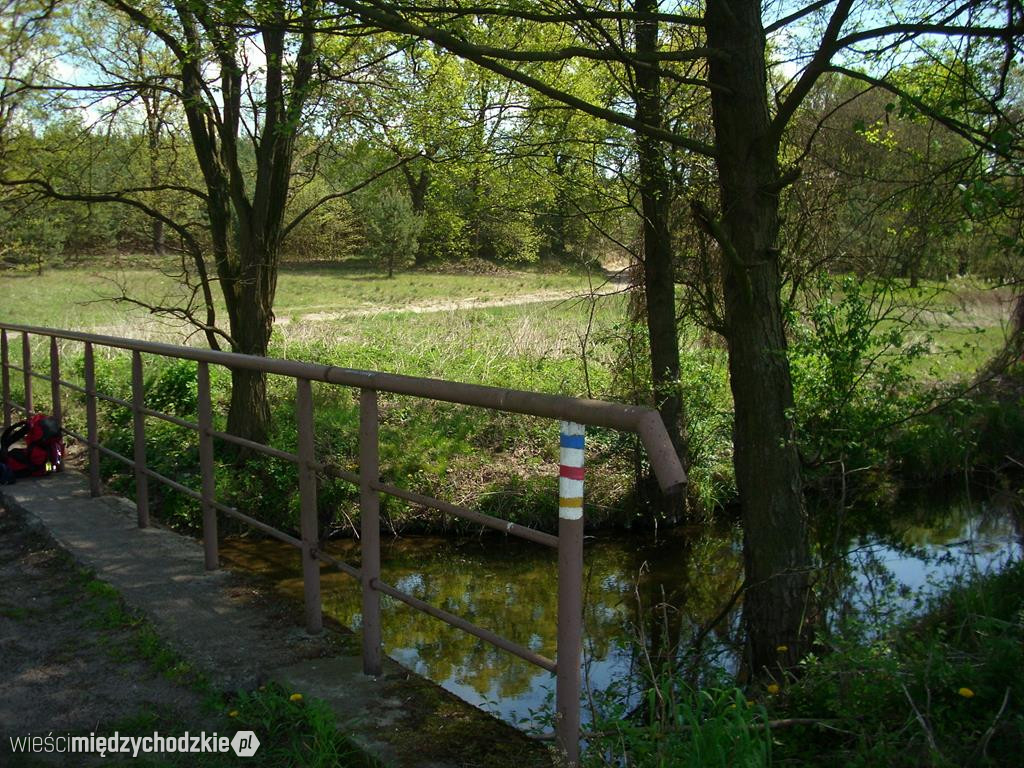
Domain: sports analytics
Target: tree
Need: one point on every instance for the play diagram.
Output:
(392, 228)
(267, 103)
(750, 123)
(244, 77)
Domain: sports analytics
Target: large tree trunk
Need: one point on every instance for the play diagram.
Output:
(249, 413)
(659, 275)
(252, 322)
(776, 551)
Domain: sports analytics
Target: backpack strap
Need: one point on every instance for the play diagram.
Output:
(13, 434)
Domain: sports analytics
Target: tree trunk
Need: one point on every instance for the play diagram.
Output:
(1015, 343)
(248, 280)
(251, 324)
(249, 413)
(158, 237)
(152, 101)
(776, 551)
(418, 185)
(659, 275)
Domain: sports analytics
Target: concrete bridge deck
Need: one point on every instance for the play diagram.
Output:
(240, 636)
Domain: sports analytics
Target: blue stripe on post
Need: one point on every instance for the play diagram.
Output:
(572, 441)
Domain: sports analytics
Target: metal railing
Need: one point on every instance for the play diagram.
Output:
(574, 414)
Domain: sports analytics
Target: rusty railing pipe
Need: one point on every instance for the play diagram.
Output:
(630, 418)
(139, 424)
(206, 470)
(26, 370)
(5, 373)
(369, 528)
(55, 404)
(308, 522)
(91, 422)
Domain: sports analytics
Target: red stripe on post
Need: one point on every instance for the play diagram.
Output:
(572, 473)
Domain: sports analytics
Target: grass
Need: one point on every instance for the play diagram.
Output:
(79, 297)
(465, 327)
(942, 689)
(293, 732)
(684, 727)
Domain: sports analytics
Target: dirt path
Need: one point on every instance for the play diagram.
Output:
(454, 305)
(70, 657)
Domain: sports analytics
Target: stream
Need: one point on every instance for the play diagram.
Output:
(509, 586)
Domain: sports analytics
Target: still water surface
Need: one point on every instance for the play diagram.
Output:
(509, 586)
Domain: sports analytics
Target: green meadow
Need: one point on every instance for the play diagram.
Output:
(551, 331)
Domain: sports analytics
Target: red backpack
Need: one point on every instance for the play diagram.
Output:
(44, 449)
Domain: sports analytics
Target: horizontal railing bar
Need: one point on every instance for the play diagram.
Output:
(245, 443)
(41, 376)
(645, 422)
(116, 455)
(449, 618)
(173, 484)
(171, 419)
(78, 437)
(496, 523)
(73, 386)
(253, 522)
(14, 367)
(114, 400)
(12, 404)
(267, 529)
(341, 565)
(336, 471)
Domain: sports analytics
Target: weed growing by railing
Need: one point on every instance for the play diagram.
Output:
(683, 727)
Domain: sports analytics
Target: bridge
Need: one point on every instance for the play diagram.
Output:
(178, 581)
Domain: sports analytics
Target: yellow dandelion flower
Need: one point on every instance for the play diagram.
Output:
(782, 648)
(295, 697)
(233, 713)
(750, 703)
(967, 693)
(772, 688)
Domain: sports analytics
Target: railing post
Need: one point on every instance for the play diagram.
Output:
(570, 591)
(209, 486)
(369, 525)
(5, 361)
(26, 365)
(92, 429)
(139, 418)
(56, 411)
(307, 500)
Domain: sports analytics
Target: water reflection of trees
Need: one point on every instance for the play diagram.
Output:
(512, 590)
(666, 593)
(868, 553)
